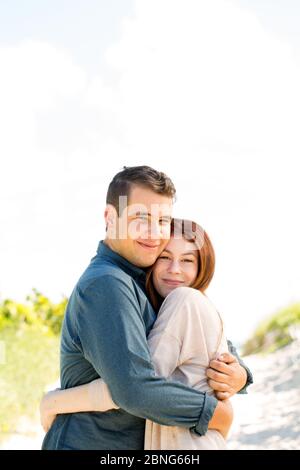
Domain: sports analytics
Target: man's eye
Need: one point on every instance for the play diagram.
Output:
(164, 257)
(165, 222)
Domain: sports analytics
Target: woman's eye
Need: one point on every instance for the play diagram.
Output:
(188, 260)
(164, 257)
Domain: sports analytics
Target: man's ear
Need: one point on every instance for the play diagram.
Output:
(110, 216)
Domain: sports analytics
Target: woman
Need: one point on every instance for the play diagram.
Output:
(187, 334)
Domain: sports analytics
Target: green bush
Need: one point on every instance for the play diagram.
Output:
(29, 332)
(38, 310)
(274, 332)
(31, 364)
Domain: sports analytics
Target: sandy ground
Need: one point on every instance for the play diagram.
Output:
(267, 418)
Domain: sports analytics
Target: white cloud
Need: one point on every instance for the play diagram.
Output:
(35, 77)
(200, 90)
(207, 73)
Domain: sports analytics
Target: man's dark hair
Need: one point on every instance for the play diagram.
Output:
(143, 175)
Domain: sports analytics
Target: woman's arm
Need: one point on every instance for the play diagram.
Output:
(94, 396)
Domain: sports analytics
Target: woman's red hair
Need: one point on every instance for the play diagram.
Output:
(191, 232)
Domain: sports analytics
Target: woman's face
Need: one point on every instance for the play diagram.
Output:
(176, 266)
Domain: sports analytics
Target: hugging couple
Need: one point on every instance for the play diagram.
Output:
(145, 363)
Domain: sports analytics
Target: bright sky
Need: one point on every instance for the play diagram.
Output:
(207, 91)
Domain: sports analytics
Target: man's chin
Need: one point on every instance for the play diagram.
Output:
(144, 261)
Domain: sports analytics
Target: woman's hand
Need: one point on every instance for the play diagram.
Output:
(93, 396)
(47, 414)
(222, 418)
(228, 422)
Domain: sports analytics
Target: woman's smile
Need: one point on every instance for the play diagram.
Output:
(172, 282)
(176, 266)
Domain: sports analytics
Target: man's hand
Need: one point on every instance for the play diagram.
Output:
(226, 376)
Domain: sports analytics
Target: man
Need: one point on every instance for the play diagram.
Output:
(107, 322)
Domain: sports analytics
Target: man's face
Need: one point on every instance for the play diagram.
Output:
(143, 230)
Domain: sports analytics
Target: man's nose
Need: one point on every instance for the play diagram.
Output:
(156, 231)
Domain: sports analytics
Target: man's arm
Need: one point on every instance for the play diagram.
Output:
(249, 379)
(112, 333)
